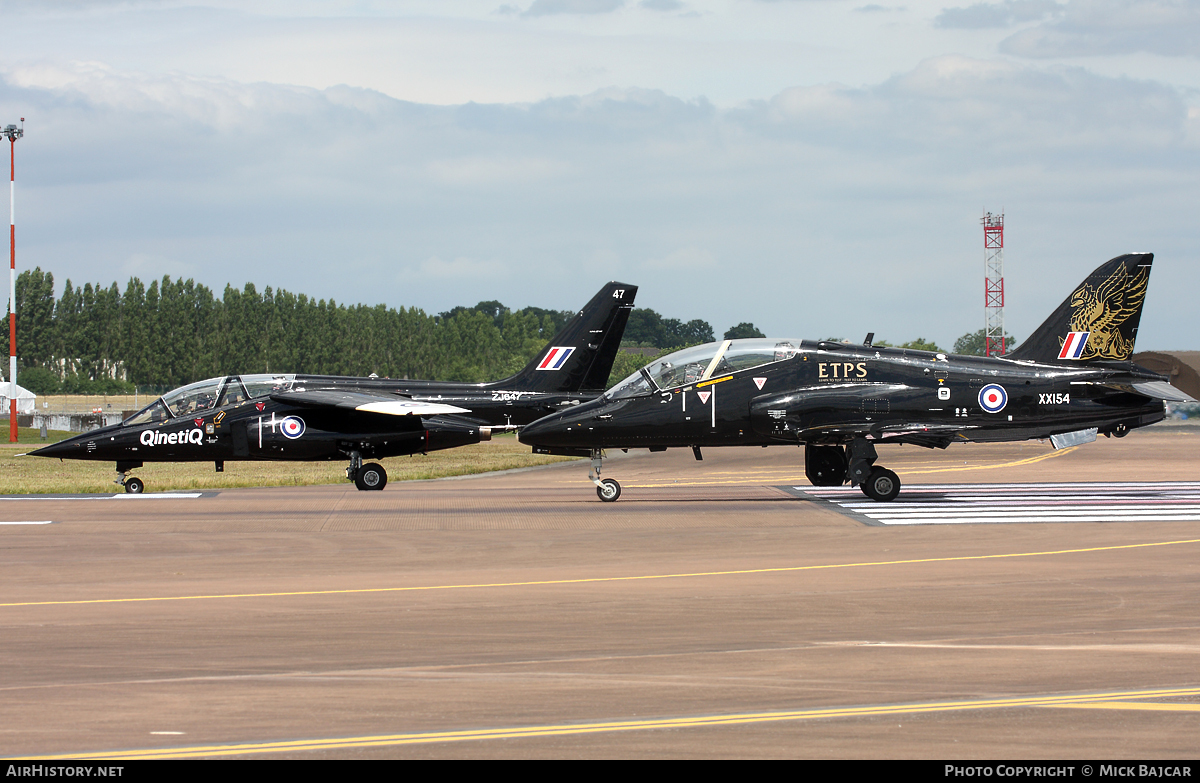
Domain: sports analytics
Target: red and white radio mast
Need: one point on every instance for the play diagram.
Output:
(12, 133)
(993, 284)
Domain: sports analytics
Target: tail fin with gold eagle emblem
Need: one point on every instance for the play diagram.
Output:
(1099, 320)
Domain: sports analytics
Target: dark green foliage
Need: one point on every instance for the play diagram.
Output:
(646, 327)
(172, 332)
(35, 316)
(627, 364)
(975, 343)
(920, 344)
(78, 384)
(741, 331)
(38, 380)
(694, 332)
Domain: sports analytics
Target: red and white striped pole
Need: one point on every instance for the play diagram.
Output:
(12, 132)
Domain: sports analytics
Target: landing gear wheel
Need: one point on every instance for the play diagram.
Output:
(370, 476)
(134, 486)
(608, 490)
(882, 485)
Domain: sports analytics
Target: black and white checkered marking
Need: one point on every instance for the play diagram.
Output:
(974, 504)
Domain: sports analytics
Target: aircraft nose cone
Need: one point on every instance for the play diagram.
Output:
(540, 432)
(71, 447)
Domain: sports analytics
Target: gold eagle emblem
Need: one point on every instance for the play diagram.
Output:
(1103, 309)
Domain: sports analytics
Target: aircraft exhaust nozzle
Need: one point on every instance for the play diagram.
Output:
(485, 433)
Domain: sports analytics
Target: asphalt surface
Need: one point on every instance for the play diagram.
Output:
(711, 612)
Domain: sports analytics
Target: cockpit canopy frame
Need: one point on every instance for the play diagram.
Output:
(208, 395)
(702, 362)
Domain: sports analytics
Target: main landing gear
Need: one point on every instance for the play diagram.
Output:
(876, 482)
(881, 484)
(832, 466)
(607, 490)
(365, 477)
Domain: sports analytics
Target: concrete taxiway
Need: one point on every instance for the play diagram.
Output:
(711, 612)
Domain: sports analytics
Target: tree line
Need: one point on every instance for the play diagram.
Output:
(98, 339)
(104, 340)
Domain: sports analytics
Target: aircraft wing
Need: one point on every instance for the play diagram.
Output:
(934, 434)
(389, 404)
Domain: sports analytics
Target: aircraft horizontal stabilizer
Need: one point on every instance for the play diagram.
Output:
(1157, 390)
(1161, 390)
(367, 403)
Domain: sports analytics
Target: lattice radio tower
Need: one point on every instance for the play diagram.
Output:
(993, 283)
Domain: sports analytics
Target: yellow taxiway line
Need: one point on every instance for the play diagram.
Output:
(1107, 700)
(603, 579)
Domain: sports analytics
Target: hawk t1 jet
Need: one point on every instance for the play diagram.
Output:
(1071, 380)
(323, 417)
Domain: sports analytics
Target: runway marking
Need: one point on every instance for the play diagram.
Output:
(754, 478)
(965, 504)
(1117, 705)
(1105, 700)
(122, 496)
(1016, 463)
(603, 579)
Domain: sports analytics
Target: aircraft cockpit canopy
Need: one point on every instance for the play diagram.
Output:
(210, 394)
(701, 362)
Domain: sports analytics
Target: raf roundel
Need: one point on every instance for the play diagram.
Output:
(292, 427)
(993, 398)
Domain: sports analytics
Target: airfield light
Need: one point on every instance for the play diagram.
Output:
(12, 133)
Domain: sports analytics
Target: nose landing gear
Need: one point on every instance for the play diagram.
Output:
(607, 490)
(132, 484)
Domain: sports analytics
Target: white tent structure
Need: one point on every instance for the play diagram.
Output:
(25, 398)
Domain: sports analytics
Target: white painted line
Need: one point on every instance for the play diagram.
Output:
(1000, 489)
(155, 496)
(978, 521)
(995, 510)
(47, 522)
(965, 504)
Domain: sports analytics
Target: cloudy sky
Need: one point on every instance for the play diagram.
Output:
(817, 167)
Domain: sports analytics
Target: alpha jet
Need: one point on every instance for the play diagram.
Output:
(323, 417)
(1071, 380)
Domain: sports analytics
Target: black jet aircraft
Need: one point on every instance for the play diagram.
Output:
(1071, 380)
(323, 417)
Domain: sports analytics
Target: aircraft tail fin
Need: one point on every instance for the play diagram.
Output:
(580, 357)
(1099, 320)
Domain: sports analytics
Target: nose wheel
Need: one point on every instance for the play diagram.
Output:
(607, 490)
(131, 484)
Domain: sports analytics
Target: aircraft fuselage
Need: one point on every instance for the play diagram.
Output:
(829, 393)
(261, 428)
